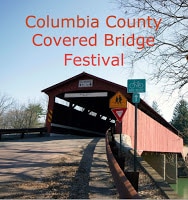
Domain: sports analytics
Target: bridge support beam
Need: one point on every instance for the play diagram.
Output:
(49, 115)
(164, 163)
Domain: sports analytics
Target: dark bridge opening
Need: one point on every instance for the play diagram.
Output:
(83, 111)
(81, 103)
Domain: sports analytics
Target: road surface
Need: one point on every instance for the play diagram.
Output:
(59, 166)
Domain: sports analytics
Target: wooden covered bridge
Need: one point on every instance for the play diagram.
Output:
(81, 103)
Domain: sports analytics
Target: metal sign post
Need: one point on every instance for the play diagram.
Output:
(136, 86)
(135, 100)
(135, 137)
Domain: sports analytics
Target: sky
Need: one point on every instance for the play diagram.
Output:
(26, 69)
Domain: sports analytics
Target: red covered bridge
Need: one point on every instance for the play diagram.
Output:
(81, 103)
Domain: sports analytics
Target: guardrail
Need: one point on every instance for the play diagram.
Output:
(123, 186)
(159, 183)
(40, 130)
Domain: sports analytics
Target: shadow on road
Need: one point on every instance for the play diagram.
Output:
(57, 169)
(80, 183)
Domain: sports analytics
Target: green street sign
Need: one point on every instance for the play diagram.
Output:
(136, 85)
(136, 98)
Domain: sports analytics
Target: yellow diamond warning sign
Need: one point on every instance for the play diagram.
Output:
(118, 101)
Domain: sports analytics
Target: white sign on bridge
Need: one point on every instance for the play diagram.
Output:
(86, 94)
(85, 83)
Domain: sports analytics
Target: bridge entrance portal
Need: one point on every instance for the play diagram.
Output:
(81, 103)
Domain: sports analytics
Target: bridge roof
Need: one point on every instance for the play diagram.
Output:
(102, 85)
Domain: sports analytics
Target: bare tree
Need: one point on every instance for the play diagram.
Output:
(16, 117)
(5, 103)
(169, 55)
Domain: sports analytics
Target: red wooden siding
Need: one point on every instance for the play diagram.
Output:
(151, 136)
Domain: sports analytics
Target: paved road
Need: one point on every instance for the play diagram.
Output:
(33, 159)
